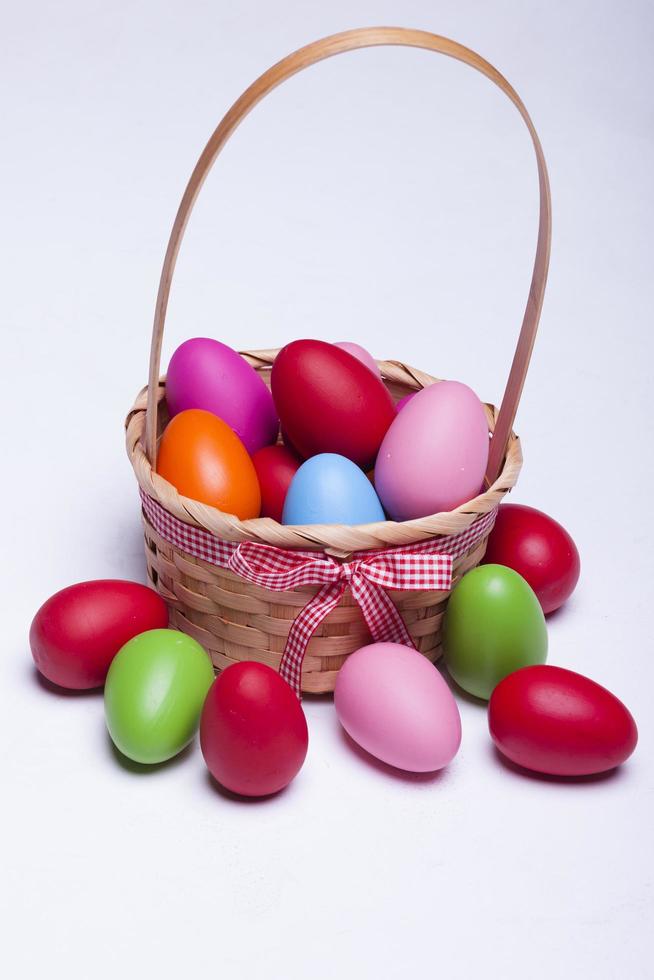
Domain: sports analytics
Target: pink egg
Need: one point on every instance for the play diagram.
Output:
(434, 455)
(394, 703)
(204, 373)
(361, 354)
(405, 401)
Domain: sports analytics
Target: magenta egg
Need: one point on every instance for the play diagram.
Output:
(204, 373)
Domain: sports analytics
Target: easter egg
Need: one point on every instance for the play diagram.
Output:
(434, 455)
(493, 625)
(394, 703)
(537, 547)
(253, 731)
(206, 374)
(361, 354)
(289, 445)
(276, 466)
(330, 489)
(405, 401)
(329, 402)
(206, 461)
(558, 722)
(76, 634)
(154, 694)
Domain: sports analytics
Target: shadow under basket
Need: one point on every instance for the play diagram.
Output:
(232, 617)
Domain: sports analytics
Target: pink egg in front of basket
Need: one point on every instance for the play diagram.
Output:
(394, 703)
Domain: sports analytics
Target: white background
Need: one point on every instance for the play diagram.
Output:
(387, 197)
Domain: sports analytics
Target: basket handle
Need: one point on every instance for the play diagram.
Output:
(325, 48)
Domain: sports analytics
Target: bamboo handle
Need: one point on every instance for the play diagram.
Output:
(327, 47)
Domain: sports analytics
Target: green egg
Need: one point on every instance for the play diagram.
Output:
(154, 694)
(493, 625)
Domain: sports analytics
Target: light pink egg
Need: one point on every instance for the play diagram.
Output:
(394, 703)
(434, 456)
(361, 354)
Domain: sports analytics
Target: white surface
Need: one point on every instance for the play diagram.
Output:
(387, 197)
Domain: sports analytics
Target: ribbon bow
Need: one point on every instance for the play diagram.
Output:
(368, 576)
(424, 566)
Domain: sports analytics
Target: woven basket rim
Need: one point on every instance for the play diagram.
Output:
(335, 538)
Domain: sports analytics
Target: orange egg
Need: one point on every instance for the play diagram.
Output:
(206, 461)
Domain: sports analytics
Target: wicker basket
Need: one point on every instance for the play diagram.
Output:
(235, 619)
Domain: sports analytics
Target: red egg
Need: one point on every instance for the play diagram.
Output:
(276, 466)
(289, 445)
(76, 634)
(537, 547)
(329, 402)
(253, 732)
(558, 722)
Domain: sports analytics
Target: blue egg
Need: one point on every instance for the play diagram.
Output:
(330, 489)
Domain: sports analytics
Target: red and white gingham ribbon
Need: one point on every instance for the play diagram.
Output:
(424, 566)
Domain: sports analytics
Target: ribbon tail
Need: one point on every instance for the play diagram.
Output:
(303, 628)
(382, 617)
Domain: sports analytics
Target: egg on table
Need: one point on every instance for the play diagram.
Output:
(558, 722)
(330, 489)
(493, 625)
(207, 374)
(434, 456)
(205, 460)
(76, 634)
(253, 732)
(537, 547)
(394, 703)
(154, 694)
(329, 402)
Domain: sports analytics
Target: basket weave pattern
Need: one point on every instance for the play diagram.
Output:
(237, 620)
